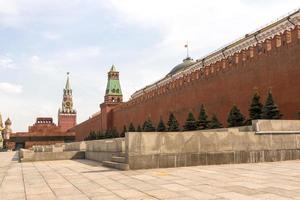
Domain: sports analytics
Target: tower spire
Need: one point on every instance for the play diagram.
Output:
(67, 103)
(68, 86)
(67, 114)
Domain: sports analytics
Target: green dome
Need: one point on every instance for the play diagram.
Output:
(185, 63)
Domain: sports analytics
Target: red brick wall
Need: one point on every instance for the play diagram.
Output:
(83, 129)
(66, 121)
(278, 69)
(218, 87)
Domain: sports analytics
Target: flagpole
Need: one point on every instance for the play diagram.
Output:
(187, 49)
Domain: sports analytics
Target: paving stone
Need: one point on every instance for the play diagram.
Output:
(270, 197)
(71, 179)
(199, 195)
(129, 193)
(163, 194)
(175, 187)
(110, 197)
(234, 196)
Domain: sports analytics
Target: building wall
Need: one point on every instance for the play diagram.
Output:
(83, 129)
(40, 133)
(66, 121)
(273, 64)
(219, 88)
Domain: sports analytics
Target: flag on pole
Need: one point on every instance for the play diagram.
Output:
(187, 48)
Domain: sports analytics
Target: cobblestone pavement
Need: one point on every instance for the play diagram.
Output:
(83, 179)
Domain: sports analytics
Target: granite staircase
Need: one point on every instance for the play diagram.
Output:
(118, 162)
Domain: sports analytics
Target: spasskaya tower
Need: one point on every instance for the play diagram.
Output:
(66, 114)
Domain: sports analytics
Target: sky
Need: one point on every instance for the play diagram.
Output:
(40, 41)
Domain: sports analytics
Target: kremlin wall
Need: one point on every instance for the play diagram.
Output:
(265, 59)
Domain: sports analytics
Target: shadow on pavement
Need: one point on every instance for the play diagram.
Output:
(97, 171)
(15, 156)
(89, 162)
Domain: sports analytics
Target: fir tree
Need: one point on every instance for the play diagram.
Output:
(202, 122)
(190, 123)
(255, 109)
(147, 126)
(139, 129)
(131, 128)
(112, 133)
(235, 117)
(161, 126)
(115, 133)
(98, 135)
(270, 109)
(109, 134)
(173, 125)
(215, 123)
(101, 135)
(124, 131)
(91, 136)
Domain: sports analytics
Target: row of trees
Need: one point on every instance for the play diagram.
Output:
(102, 135)
(256, 111)
(235, 118)
(202, 122)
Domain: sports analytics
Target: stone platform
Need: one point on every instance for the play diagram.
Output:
(83, 179)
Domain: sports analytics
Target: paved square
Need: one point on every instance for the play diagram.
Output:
(83, 179)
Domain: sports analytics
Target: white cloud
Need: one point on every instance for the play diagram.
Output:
(9, 13)
(84, 52)
(51, 35)
(7, 63)
(10, 88)
(38, 65)
(206, 24)
(63, 59)
(8, 7)
(35, 59)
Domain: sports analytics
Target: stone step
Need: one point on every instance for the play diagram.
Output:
(118, 159)
(116, 165)
(122, 154)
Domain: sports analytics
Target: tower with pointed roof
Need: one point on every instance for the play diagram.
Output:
(7, 130)
(113, 93)
(113, 97)
(67, 114)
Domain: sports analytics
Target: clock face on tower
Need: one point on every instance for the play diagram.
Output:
(68, 104)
